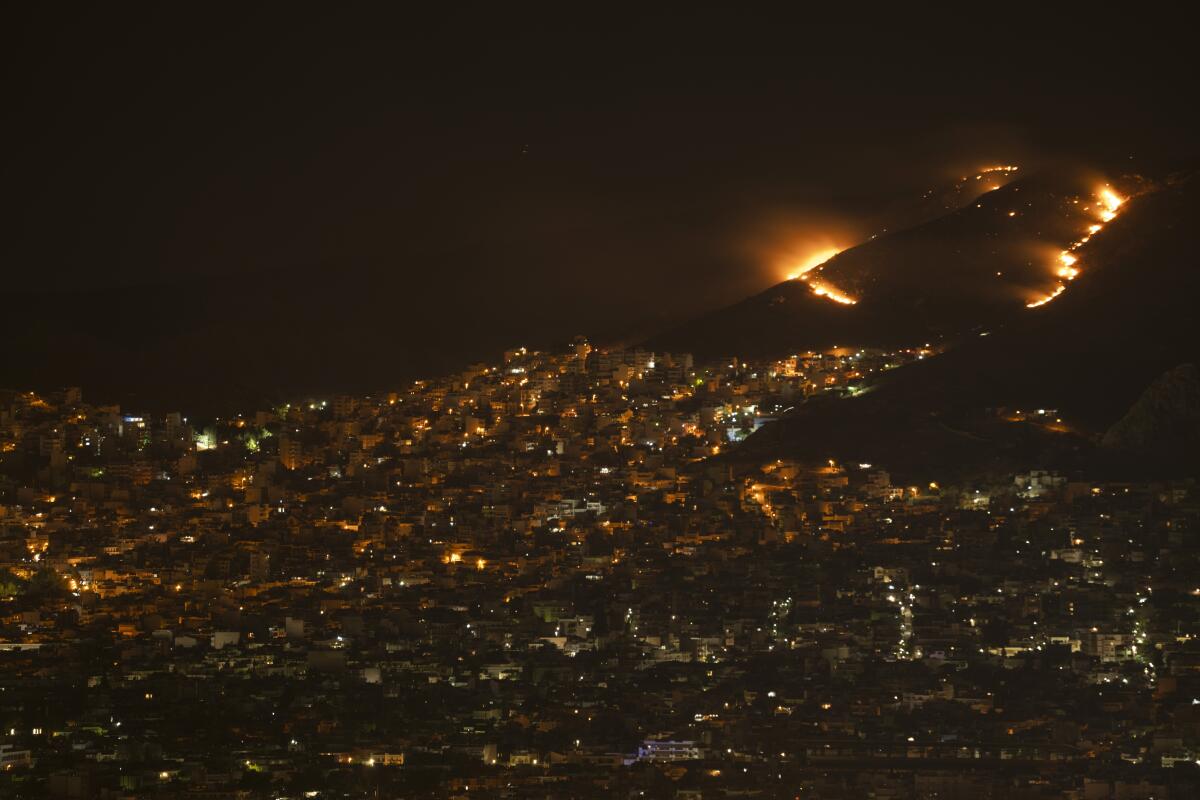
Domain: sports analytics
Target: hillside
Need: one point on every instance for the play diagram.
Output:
(969, 270)
(1089, 355)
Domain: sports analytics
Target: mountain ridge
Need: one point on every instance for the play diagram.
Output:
(1088, 356)
(967, 270)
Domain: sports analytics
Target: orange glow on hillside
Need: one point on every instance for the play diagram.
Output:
(1057, 291)
(1067, 270)
(1003, 168)
(822, 289)
(1108, 205)
(787, 244)
(812, 261)
(1111, 198)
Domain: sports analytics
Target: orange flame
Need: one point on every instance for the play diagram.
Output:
(1110, 203)
(822, 289)
(1057, 291)
(812, 261)
(1067, 270)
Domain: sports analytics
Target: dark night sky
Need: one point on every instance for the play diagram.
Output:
(616, 167)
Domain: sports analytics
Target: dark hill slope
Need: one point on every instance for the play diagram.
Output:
(1165, 420)
(969, 270)
(1131, 316)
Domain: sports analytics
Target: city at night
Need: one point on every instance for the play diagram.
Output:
(595, 402)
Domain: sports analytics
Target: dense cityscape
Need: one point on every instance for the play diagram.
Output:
(436, 402)
(546, 577)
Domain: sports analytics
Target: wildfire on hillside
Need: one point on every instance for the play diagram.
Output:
(1108, 204)
(812, 261)
(822, 289)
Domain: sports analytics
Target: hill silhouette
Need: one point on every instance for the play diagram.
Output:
(969, 270)
(1088, 356)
